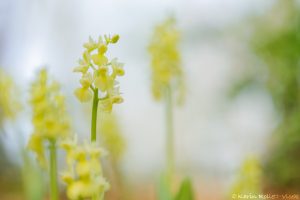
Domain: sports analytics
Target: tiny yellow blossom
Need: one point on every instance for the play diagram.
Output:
(84, 176)
(9, 103)
(117, 67)
(113, 39)
(36, 145)
(98, 73)
(83, 94)
(50, 120)
(90, 45)
(165, 60)
(69, 145)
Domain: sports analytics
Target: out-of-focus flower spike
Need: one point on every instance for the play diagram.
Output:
(47, 103)
(84, 177)
(9, 102)
(165, 59)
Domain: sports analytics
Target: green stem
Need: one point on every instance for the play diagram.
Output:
(53, 171)
(170, 134)
(94, 116)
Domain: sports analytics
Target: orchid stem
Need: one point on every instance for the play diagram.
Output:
(169, 135)
(94, 116)
(53, 171)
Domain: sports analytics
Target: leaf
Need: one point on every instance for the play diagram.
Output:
(185, 191)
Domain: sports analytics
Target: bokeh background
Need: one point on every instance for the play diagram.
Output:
(241, 64)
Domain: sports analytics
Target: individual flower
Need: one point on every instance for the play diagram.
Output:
(99, 74)
(165, 60)
(111, 137)
(50, 120)
(84, 93)
(84, 176)
(9, 102)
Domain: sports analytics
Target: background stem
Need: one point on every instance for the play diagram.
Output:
(94, 116)
(53, 171)
(170, 134)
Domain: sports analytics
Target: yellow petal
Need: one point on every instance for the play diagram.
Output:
(101, 82)
(36, 145)
(90, 45)
(120, 71)
(102, 48)
(102, 70)
(86, 80)
(81, 69)
(106, 105)
(83, 168)
(83, 94)
(67, 178)
(99, 59)
(117, 99)
(75, 190)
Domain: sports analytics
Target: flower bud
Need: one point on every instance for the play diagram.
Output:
(115, 39)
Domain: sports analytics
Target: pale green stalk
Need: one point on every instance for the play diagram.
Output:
(169, 134)
(94, 121)
(53, 171)
(94, 116)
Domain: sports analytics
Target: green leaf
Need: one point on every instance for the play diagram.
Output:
(185, 191)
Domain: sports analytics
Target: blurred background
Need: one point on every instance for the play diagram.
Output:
(241, 64)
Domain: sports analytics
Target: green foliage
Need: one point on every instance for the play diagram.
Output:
(186, 191)
(276, 42)
(33, 183)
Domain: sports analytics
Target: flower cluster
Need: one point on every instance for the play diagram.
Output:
(50, 120)
(99, 74)
(9, 104)
(111, 137)
(165, 59)
(249, 178)
(84, 177)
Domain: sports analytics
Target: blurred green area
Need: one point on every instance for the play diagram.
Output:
(276, 43)
(9, 172)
